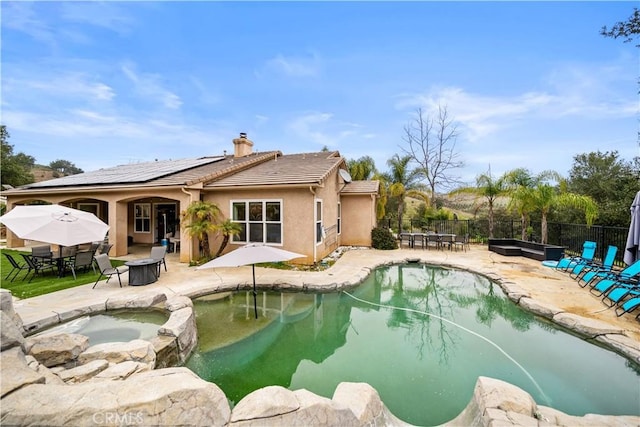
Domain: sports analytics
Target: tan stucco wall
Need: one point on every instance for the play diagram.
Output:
(116, 208)
(298, 215)
(358, 219)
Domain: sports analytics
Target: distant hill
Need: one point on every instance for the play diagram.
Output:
(465, 206)
(43, 173)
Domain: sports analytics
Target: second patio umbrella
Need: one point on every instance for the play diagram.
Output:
(632, 248)
(55, 224)
(251, 254)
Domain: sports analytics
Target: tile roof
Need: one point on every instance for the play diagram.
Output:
(303, 168)
(361, 187)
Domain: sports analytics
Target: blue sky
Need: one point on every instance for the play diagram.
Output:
(529, 84)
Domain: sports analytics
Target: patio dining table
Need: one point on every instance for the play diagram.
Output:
(442, 238)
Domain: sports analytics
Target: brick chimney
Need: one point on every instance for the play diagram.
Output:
(242, 146)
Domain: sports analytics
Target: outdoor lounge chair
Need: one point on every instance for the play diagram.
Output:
(583, 273)
(106, 269)
(628, 306)
(15, 267)
(36, 266)
(619, 291)
(627, 276)
(569, 262)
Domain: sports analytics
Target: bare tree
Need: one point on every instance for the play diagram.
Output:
(432, 145)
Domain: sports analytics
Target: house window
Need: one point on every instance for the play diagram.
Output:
(319, 230)
(260, 221)
(339, 217)
(142, 217)
(93, 208)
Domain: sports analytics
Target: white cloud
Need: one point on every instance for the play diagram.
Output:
(149, 86)
(64, 85)
(108, 15)
(205, 94)
(309, 66)
(323, 130)
(19, 16)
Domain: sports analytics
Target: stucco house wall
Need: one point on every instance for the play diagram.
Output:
(359, 218)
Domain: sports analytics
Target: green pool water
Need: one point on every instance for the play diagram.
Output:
(424, 366)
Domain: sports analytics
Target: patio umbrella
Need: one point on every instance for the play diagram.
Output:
(54, 224)
(251, 254)
(633, 239)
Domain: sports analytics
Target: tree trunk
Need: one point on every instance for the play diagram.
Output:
(543, 229)
(225, 241)
(491, 220)
(400, 213)
(205, 246)
(523, 223)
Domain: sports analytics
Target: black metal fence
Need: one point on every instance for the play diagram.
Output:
(571, 236)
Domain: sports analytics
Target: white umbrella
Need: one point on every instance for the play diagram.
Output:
(633, 239)
(54, 224)
(253, 253)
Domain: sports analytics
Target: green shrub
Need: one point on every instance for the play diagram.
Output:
(381, 238)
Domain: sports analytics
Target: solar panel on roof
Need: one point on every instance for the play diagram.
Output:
(130, 173)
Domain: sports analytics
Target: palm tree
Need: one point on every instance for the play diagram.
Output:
(200, 219)
(546, 197)
(403, 183)
(520, 185)
(362, 169)
(489, 188)
(531, 193)
(228, 229)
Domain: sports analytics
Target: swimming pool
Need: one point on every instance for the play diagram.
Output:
(424, 356)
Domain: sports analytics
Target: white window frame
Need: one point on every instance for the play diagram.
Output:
(143, 213)
(319, 229)
(247, 221)
(339, 223)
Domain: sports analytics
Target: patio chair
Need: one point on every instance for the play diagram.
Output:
(460, 241)
(569, 262)
(408, 238)
(174, 243)
(628, 306)
(80, 261)
(42, 253)
(158, 253)
(107, 270)
(433, 241)
(617, 294)
(104, 248)
(36, 266)
(15, 267)
(612, 279)
(583, 273)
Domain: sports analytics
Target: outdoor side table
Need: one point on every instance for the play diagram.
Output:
(142, 271)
